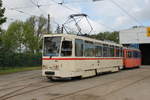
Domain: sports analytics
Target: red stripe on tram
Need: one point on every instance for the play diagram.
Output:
(81, 58)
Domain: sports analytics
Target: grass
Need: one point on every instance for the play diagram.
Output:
(17, 69)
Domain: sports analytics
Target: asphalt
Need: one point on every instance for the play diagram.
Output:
(133, 84)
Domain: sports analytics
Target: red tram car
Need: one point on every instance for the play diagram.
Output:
(132, 58)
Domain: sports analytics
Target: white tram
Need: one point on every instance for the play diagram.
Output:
(68, 56)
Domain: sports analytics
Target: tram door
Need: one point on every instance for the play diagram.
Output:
(66, 49)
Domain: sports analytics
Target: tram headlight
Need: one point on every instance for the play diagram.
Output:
(56, 67)
(52, 67)
(44, 67)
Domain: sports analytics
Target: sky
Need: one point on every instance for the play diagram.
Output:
(104, 15)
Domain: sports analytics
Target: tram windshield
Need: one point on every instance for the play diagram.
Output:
(52, 46)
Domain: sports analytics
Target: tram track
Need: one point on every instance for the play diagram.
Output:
(23, 78)
(3, 89)
(9, 95)
(15, 93)
(125, 86)
(15, 74)
(103, 84)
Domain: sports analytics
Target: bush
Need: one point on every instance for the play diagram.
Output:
(20, 59)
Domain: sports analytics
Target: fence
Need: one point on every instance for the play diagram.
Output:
(20, 59)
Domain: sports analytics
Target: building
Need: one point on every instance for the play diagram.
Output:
(138, 37)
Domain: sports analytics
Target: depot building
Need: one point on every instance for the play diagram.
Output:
(140, 38)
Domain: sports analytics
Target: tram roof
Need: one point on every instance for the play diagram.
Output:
(132, 48)
(83, 38)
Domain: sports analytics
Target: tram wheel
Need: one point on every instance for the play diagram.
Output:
(76, 78)
(50, 78)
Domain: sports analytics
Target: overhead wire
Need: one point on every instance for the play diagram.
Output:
(110, 28)
(36, 4)
(20, 11)
(119, 6)
(126, 12)
(77, 1)
(17, 9)
(104, 25)
(23, 7)
(62, 4)
(39, 7)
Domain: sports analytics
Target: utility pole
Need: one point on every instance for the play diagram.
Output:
(48, 27)
(58, 29)
(62, 29)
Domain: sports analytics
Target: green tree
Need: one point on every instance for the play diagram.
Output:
(13, 38)
(1, 37)
(39, 24)
(2, 18)
(32, 42)
(20, 43)
(111, 36)
(114, 36)
(25, 36)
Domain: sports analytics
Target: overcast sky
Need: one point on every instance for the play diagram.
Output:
(103, 15)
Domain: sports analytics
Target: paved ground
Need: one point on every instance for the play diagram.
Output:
(125, 85)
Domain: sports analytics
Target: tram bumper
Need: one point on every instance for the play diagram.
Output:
(49, 73)
(59, 74)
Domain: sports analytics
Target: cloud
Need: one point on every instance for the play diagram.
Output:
(58, 13)
(115, 17)
(100, 12)
(139, 13)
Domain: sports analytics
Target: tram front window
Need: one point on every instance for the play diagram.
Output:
(52, 46)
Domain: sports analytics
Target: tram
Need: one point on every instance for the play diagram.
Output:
(132, 58)
(70, 56)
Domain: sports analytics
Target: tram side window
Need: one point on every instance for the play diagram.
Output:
(121, 52)
(136, 54)
(117, 52)
(108, 51)
(78, 47)
(129, 54)
(139, 54)
(89, 49)
(66, 49)
(112, 54)
(98, 50)
(105, 51)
